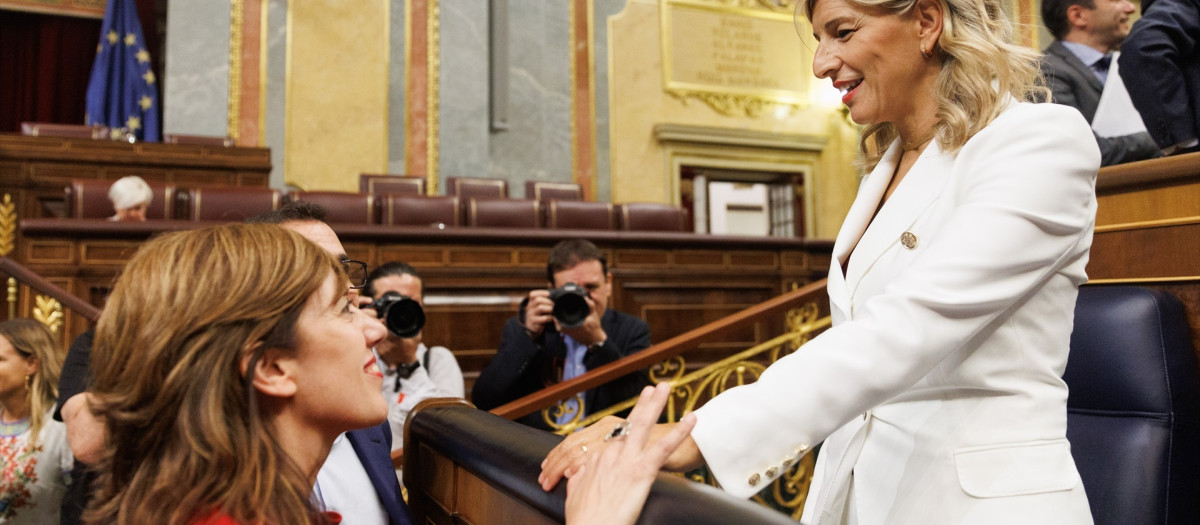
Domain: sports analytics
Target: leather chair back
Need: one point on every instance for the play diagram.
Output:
(581, 215)
(88, 199)
(71, 131)
(504, 213)
(545, 191)
(651, 216)
(230, 203)
(1134, 407)
(197, 140)
(383, 184)
(342, 207)
(476, 188)
(411, 210)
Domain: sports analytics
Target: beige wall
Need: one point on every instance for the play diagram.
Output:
(638, 102)
(337, 93)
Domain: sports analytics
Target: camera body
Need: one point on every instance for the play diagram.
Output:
(570, 305)
(403, 315)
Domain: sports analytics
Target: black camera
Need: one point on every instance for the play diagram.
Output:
(570, 305)
(403, 316)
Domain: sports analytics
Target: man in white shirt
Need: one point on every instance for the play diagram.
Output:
(412, 372)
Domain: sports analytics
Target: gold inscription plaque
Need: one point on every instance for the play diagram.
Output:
(741, 61)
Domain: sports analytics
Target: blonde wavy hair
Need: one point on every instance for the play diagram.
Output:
(981, 67)
(186, 437)
(32, 340)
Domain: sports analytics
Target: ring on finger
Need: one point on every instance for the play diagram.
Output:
(618, 431)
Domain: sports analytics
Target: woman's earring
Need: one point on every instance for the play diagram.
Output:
(28, 382)
(924, 53)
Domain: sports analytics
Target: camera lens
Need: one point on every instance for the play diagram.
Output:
(403, 316)
(570, 305)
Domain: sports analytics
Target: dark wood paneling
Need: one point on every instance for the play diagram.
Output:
(475, 279)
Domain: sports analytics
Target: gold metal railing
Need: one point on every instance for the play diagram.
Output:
(691, 390)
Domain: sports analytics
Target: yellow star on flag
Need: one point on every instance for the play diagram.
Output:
(112, 37)
(130, 39)
(145, 102)
(149, 76)
(143, 56)
(133, 123)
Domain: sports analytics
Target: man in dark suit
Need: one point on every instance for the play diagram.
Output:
(1076, 65)
(537, 350)
(1160, 64)
(357, 480)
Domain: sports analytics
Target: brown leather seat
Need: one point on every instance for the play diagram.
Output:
(197, 140)
(88, 199)
(230, 203)
(545, 191)
(73, 131)
(581, 215)
(476, 188)
(504, 213)
(384, 184)
(340, 206)
(651, 216)
(412, 210)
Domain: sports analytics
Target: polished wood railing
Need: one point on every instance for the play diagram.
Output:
(550, 396)
(468, 466)
(47, 308)
(806, 313)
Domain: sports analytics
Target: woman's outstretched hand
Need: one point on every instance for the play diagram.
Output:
(612, 463)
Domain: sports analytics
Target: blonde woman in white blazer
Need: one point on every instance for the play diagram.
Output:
(937, 393)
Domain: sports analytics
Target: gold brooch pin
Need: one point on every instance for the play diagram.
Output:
(909, 240)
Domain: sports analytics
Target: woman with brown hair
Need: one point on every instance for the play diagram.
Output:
(35, 461)
(227, 361)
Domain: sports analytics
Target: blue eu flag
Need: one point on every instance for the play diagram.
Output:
(123, 92)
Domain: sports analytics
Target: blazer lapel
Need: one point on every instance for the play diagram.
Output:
(1081, 69)
(870, 191)
(920, 187)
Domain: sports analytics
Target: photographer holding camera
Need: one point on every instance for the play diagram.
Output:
(563, 332)
(412, 372)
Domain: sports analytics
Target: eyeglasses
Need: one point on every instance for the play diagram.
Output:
(356, 271)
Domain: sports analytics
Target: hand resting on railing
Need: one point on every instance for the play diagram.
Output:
(612, 464)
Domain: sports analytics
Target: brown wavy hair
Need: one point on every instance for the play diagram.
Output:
(981, 68)
(31, 339)
(185, 435)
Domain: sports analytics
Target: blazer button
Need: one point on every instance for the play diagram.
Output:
(754, 479)
(771, 472)
(909, 240)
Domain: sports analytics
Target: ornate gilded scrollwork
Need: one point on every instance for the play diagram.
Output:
(735, 105)
(691, 390)
(670, 370)
(572, 406)
(49, 312)
(11, 299)
(8, 225)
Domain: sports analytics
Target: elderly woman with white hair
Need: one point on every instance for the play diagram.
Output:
(131, 198)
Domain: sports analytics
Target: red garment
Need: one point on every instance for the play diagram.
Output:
(220, 518)
(216, 518)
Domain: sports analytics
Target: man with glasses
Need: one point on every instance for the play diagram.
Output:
(357, 480)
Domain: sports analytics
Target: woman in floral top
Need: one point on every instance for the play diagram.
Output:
(35, 460)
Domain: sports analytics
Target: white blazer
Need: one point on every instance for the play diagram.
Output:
(938, 391)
